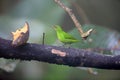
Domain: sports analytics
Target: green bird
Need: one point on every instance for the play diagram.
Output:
(63, 36)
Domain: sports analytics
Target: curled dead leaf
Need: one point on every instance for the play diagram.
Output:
(86, 34)
(20, 36)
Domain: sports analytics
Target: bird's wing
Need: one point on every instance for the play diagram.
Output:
(68, 36)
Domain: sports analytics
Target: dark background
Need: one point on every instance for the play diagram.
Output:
(102, 15)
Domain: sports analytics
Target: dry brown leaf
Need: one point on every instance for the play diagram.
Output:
(86, 34)
(20, 36)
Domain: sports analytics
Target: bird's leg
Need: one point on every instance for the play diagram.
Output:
(66, 45)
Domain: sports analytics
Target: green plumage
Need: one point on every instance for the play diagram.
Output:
(63, 36)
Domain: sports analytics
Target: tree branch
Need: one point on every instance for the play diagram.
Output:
(58, 55)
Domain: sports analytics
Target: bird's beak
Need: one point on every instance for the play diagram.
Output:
(54, 27)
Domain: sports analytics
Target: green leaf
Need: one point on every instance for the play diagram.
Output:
(101, 39)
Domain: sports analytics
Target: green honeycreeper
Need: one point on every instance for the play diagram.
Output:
(63, 36)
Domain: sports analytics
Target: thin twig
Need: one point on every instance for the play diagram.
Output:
(43, 40)
(83, 34)
(80, 12)
(69, 11)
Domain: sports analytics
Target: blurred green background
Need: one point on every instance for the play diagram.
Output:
(101, 15)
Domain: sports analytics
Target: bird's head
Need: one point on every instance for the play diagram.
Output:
(57, 28)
